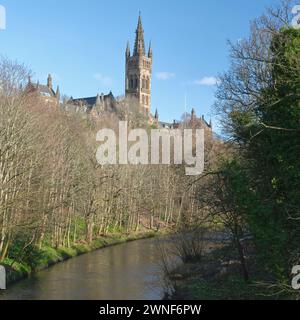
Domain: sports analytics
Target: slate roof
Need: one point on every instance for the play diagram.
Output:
(91, 101)
(176, 123)
(41, 89)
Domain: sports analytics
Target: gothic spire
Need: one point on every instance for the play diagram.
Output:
(156, 114)
(128, 50)
(150, 52)
(139, 47)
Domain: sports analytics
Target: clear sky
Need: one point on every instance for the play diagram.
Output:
(82, 43)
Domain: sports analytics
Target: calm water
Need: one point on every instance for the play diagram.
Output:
(127, 271)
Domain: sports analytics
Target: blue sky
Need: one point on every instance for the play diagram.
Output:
(82, 43)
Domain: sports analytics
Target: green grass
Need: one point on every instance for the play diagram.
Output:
(15, 271)
(49, 256)
(203, 281)
(232, 288)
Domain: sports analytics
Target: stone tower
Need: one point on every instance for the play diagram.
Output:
(139, 71)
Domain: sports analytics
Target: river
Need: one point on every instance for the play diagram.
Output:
(129, 271)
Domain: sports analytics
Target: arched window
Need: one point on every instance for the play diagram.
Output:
(148, 83)
(131, 82)
(136, 82)
(143, 99)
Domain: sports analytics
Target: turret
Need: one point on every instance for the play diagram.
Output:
(193, 115)
(49, 82)
(150, 52)
(128, 50)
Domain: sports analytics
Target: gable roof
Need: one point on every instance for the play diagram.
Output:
(91, 101)
(41, 89)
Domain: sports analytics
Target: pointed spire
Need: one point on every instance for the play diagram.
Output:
(156, 114)
(128, 50)
(139, 47)
(140, 25)
(193, 115)
(49, 81)
(57, 94)
(150, 52)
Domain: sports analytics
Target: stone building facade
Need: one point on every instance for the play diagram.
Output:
(138, 73)
(98, 105)
(45, 92)
(138, 77)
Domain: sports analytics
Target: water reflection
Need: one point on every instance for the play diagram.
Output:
(127, 271)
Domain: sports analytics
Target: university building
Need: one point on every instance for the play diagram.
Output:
(138, 78)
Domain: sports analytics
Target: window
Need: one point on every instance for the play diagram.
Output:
(131, 82)
(136, 83)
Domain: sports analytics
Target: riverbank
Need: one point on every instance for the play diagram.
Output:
(48, 256)
(218, 276)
